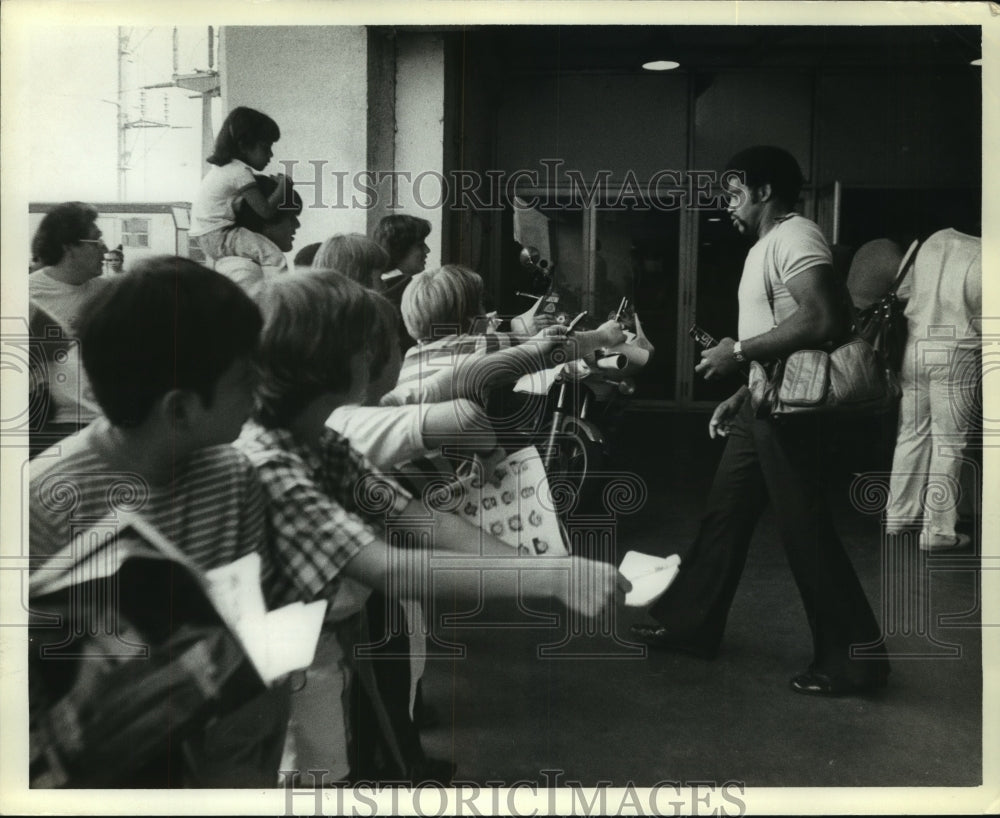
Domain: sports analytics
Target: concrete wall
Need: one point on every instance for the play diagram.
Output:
(419, 145)
(882, 128)
(313, 82)
(741, 108)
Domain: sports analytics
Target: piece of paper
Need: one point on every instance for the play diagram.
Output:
(519, 511)
(636, 350)
(277, 642)
(614, 362)
(235, 591)
(285, 639)
(539, 382)
(650, 576)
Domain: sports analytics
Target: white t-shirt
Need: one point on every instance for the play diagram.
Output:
(247, 273)
(50, 300)
(792, 246)
(944, 289)
(213, 207)
(387, 436)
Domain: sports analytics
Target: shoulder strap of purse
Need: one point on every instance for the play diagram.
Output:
(905, 265)
(770, 296)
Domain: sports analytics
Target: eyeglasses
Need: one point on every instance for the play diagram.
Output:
(91, 241)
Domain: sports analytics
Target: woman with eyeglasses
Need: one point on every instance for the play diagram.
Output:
(69, 247)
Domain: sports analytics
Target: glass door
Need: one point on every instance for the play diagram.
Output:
(636, 254)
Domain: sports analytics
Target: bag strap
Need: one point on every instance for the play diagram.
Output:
(770, 294)
(905, 265)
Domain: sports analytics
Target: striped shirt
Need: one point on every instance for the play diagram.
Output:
(324, 505)
(212, 509)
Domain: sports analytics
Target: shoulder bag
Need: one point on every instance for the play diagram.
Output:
(853, 378)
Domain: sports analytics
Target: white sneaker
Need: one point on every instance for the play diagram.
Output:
(939, 543)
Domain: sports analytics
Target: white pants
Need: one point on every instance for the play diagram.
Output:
(940, 402)
(317, 730)
(238, 241)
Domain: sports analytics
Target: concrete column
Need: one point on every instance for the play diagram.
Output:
(313, 81)
(350, 101)
(420, 132)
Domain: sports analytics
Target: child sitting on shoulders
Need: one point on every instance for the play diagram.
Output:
(439, 308)
(168, 349)
(275, 233)
(242, 146)
(329, 508)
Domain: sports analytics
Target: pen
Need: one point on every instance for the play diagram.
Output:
(621, 308)
(574, 322)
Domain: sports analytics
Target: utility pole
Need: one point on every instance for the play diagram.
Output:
(124, 123)
(206, 85)
(122, 158)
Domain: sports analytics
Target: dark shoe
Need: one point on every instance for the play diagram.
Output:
(813, 683)
(659, 636)
(436, 770)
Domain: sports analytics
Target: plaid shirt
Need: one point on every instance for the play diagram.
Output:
(424, 376)
(323, 506)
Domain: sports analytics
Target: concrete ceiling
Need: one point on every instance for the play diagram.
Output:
(625, 48)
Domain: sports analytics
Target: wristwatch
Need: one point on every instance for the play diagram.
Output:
(738, 352)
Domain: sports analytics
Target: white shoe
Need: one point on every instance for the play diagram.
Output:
(944, 543)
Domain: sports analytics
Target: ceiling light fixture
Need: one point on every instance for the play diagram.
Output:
(661, 65)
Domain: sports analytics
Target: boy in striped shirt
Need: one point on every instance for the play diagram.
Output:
(169, 352)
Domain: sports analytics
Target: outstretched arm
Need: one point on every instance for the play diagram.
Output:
(584, 586)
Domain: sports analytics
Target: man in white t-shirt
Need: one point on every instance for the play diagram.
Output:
(789, 299)
(69, 245)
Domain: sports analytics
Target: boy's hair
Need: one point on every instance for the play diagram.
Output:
(64, 224)
(449, 297)
(247, 217)
(398, 233)
(384, 333)
(314, 324)
(356, 256)
(168, 324)
(305, 256)
(243, 128)
(766, 164)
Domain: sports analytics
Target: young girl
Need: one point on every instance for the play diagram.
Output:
(242, 147)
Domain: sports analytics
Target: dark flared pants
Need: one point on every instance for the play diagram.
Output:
(781, 462)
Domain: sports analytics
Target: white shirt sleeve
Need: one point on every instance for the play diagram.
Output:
(799, 246)
(386, 435)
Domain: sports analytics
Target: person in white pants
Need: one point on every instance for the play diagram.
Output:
(941, 380)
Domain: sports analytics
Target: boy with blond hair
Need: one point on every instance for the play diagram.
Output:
(439, 308)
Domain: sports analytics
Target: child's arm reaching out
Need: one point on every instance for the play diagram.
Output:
(267, 206)
(473, 375)
(609, 334)
(458, 423)
(385, 567)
